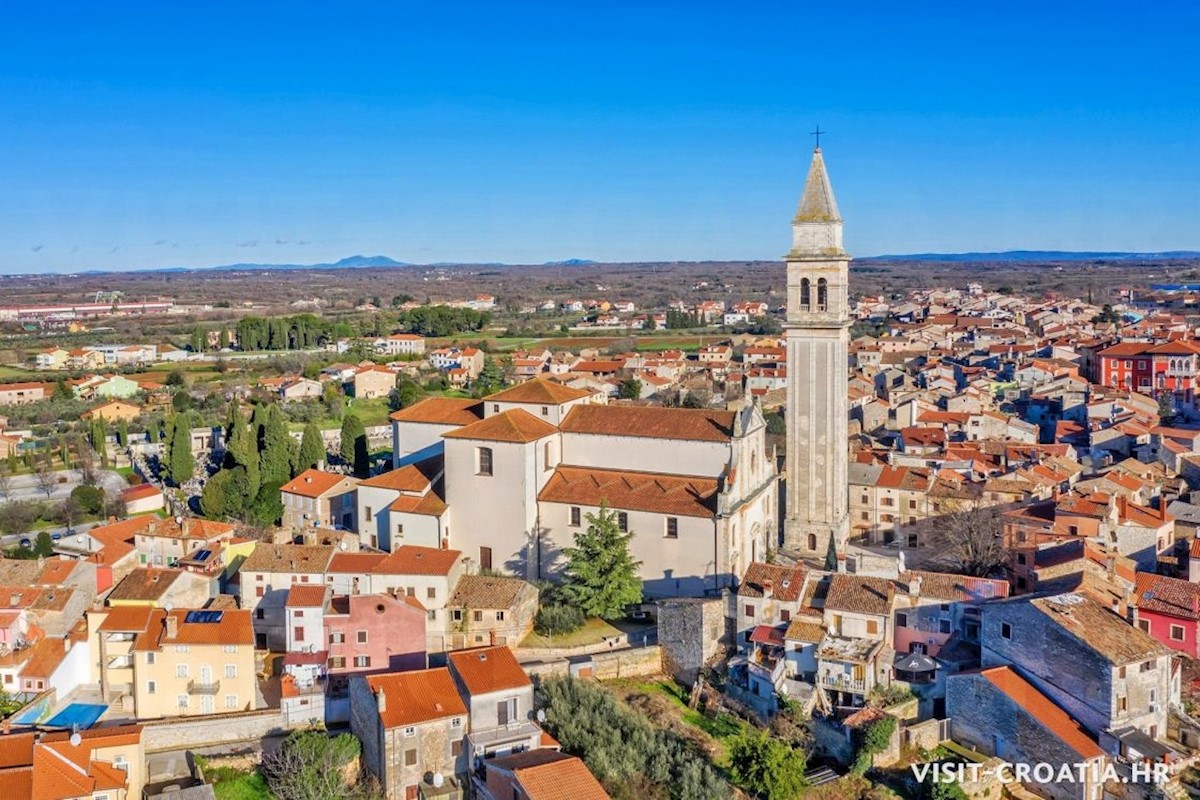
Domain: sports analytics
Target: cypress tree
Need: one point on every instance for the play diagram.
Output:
(312, 448)
(355, 449)
(275, 461)
(831, 556)
(180, 464)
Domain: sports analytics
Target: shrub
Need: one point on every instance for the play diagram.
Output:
(89, 498)
(555, 619)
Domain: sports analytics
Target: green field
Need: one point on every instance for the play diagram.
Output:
(592, 632)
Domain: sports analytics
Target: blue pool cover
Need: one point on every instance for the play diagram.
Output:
(83, 715)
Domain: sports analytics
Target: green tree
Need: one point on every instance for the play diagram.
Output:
(1166, 407)
(407, 392)
(831, 556)
(601, 576)
(43, 545)
(241, 450)
(630, 389)
(225, 494)
(946, 791)
(312, 448)
(62, 391)
(490, 379)
(272, 436)
(311, 765)
(355, 448)
(223, 338)
(123, 433)
(766, 766)
(89, 498)
(199, 339)
(182, 401)
(180, 463)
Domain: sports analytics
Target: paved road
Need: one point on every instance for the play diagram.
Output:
(25, 487)
(15, 539)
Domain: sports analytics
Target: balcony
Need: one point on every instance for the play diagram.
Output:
(515, 733)
(200, 687)
(841, 683)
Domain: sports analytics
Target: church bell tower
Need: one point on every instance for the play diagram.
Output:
(818, 340)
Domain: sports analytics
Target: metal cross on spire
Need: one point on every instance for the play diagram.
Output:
(817, 133)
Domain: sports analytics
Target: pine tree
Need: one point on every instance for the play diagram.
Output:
(123, 433)
(61, 392)
(831, 556)
(601, 576)
(355, 449)
(491, 378)
(180, 463)
(312, 448)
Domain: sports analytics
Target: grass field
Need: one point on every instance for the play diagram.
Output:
(592, 632)
(236, 784)
(9, 373)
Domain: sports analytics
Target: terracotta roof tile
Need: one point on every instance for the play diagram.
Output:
(515, 426)
(411, 698)
(314, 483)
(483, 670)
(860, 594)
(635, 491)
(786, 582)
(567, 778)
(538, 392)
(441, 411)
(409, 478)
(1170, 596)
(1042, 709)
(650, 421)
(411, 559)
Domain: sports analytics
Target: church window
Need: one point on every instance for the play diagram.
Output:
(805, 294)
(484, 460)
(812, 541)
(822, 294)
(672, 528)
(623, 521)
(575, 516)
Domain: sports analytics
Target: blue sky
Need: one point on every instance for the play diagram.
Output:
(138, 135)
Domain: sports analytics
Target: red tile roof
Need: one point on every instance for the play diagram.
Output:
(441, 411)
(635, 491)
(411, 559)
(1042, 709)
(312, 483)
(411, 698)
(684, 424)
(483, 670)
(516, 426)
(538, 392)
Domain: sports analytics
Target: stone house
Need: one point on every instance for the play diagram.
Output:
(490, 610)
(315, 498)
(1111, 676)
(411, 725)
(539, 775)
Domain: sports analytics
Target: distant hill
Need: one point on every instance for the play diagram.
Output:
(1018, 256)
(350, 262)
(570, 262)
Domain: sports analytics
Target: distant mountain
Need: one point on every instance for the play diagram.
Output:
(350, 262)
(1037, 255)
(570, 262)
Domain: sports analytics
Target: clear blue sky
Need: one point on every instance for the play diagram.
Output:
(152, 134)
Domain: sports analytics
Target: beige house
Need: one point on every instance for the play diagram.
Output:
(319, 499)
(158, 663)
(113, 411)
(489, 610)
(371, 382)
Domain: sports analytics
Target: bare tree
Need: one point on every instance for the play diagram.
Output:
(85, 460)
(5, 482)
(45, 477)
(309, 765)
(969, 535)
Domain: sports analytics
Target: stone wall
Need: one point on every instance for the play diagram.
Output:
(217, 729)
(690, 632)
(634, 663)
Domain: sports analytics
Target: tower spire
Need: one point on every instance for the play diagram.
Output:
(817, 204)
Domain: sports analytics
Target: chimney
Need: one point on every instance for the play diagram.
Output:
(381, 700)
(172, 623)
(914, 586)
(1195, 603)
(768, 586)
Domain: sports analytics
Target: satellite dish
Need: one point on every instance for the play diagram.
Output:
(76, 739)
(168, 606)
(541, 715)
(342, 544)
(79, 539)
(179, 520)
(438, 780)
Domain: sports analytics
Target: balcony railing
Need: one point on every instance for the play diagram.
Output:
(200, 687)
(842, 683)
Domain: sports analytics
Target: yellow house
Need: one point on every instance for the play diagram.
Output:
(158, 663)
(113, 411)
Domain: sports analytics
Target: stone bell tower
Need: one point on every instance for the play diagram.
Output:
(818, 340)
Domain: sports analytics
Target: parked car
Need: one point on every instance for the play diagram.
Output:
(26, 542)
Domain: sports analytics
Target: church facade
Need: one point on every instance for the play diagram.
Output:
(518, 473)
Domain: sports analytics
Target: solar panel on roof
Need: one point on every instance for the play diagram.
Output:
(202, 616)
(204, 555)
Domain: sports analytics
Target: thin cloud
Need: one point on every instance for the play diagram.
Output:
(160, 242)
(248, 243)
(302, 243)
(281, 241)
(37, 247)
(115, 249)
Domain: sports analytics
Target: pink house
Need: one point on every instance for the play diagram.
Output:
(1169, 610)
(930, 607)
(373, 633)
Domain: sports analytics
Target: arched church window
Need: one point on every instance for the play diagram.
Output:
(812, 542)
(805, 294)
(822, 294)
